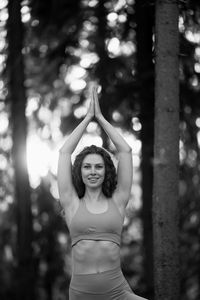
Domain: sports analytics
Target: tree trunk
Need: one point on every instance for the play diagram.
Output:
(17, 99)
(166, 153)
(145, 76)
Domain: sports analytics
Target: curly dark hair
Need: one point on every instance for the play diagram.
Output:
(110, 180)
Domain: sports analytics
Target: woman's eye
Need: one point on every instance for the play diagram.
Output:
(88, 167)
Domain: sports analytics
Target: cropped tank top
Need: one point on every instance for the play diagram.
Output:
(106, 226)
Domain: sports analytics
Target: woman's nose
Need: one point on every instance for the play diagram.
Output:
(93, 170)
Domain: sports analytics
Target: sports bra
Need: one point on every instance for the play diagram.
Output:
(106, 226)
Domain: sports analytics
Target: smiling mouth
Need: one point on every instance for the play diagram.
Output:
(93, 179)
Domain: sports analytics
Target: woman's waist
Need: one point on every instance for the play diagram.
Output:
(94, 267)
(95, 256)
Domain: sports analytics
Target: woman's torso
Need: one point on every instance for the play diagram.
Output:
(90, 255)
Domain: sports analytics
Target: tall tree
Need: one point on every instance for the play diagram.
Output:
(145, 77)
(17, 99)
(166, 150)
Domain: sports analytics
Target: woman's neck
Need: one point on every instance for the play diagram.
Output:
(93, 195)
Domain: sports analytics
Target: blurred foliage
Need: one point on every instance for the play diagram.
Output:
(61, 53)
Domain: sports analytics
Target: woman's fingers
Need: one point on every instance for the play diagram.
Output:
(92, 107)
(94, 93)
(96, 102)
(90, 112)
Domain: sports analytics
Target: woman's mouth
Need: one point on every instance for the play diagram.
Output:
(93, 179)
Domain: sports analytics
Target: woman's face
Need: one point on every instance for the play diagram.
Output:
(93, 170)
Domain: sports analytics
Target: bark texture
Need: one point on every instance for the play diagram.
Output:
(17, 100)
(145, 74)
(166, 153)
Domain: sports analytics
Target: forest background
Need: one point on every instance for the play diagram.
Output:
(50, 54)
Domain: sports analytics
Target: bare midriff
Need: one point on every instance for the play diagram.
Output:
(89, 256)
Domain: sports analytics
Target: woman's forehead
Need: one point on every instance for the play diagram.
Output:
(93, 159)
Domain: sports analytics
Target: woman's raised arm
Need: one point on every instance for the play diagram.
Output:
(64, 174)
(125, 169)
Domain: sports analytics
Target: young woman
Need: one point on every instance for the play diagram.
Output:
(94, 199)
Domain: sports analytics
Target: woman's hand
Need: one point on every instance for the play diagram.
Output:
(90, 112)
(97, 110)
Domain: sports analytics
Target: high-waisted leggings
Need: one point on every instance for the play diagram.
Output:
(107, 285)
